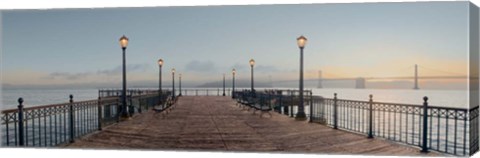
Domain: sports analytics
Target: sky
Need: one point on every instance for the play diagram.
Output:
(80, 46)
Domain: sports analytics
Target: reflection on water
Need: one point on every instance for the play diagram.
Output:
(446, 98)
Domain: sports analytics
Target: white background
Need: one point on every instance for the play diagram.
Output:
(83, 153)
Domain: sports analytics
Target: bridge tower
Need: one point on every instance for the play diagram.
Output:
(416, 78)
(319, 79)
(360, 83)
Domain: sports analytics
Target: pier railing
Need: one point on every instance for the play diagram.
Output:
(283, 101)
(204, 92)
(178, 92)
(443, 129)
(52, 125)
(130, 92)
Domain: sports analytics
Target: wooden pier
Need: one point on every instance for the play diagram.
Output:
(215, 123)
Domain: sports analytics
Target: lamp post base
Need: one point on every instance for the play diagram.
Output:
(301, 116)
(125, 118)
(425, 151)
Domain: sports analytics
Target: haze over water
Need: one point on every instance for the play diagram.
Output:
(446, 98)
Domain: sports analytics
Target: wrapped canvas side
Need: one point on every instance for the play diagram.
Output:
(473, 76)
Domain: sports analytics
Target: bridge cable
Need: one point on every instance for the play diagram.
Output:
(451, 73)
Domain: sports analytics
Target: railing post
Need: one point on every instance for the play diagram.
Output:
(311, 107)
(284, 106)
(291, 104)
(335, 114)
(425, 125)
(140, 101)
(71, 120)
(370, 117)
(269, 99)
(118, 108)
(156, 102)
(21, 140)
(281, 104)
(99, 114)
(131, 108)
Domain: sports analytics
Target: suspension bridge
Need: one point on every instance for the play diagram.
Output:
(360, 82)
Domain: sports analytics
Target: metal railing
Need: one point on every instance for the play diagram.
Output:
(442, 129)
(130, 92)
(204, 92)
(284, 101)
(473, 118)
(52, 125)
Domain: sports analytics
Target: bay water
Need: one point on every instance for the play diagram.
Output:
(444, 98)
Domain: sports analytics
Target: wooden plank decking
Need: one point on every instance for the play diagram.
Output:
(215, 123)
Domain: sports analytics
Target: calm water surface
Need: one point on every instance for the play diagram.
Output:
(34, 97)
(447, 98)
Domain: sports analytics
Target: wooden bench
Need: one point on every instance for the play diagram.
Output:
(168, 106)
(240, 100)
(262, 106)
(263, 109)
(250, 102)
(244, 100)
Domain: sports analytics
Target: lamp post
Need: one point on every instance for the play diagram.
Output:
(252, 63)
(233, 82)
(124, 43)
(301, 41)
(173, 83)
(180, 84)
(160, 64)
(223, 84)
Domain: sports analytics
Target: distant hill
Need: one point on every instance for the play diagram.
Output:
(459, 85)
